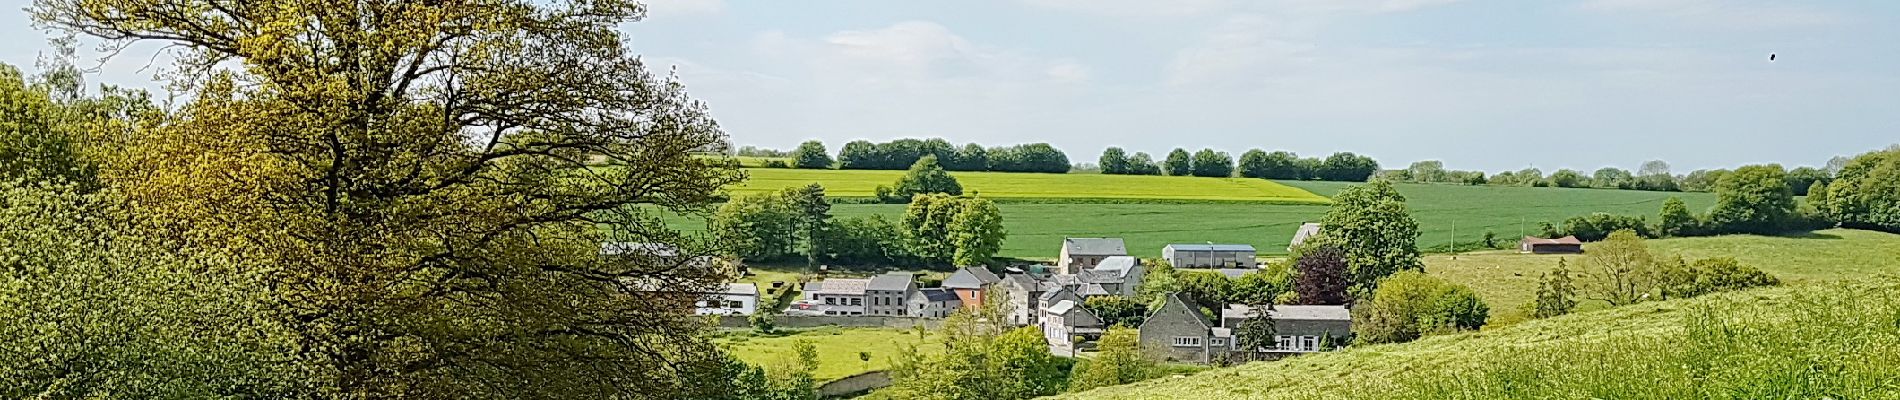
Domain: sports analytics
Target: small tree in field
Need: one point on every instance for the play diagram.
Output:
(924, 177)
(811, 155)
(1258, 333)
(1620, 269)
(1556, 295)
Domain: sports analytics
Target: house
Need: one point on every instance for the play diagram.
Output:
(838, 296)
(1025, 292)
(933, 303)
(1080, 254)
(1299, 329)
(735, 299)
(1209, 255)
(1306, 231)
(888, 294)
(1562, 245)
(969, 283)
(1115, 276)
(1179, 332)
(1066, 319)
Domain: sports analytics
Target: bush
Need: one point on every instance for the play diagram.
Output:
(924, 177)
(1596, 226)
(810, 155)
(1410, 304)
(1753, 199)
(774, 164)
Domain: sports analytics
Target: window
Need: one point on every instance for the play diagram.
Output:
(857, 301)
(1284, 342)
(1217, 342)
(831, 301)
(735, 304)
(1309, 343)
(1187, 341)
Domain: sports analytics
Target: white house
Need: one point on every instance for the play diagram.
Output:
(736, 299)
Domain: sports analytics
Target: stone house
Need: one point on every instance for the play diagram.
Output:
(840, 296)
(1210, 256)
(1180, 332)
(1079, 254)
(1025, 292)
(1299, 328)
(1066, 319)
(888, 294)
(933, 303)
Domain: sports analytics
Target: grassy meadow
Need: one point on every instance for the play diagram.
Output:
(1042, 187)
(1036, 229)
(837, 348)
(1507, 280)
(1806, 341)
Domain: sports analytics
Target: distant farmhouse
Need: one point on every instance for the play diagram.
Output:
(1306, 231)
(1080, 254)
(1210, 256)
(1562, 245)
(735, 299)
(1180, 332)
(883, 295)
(969, 283)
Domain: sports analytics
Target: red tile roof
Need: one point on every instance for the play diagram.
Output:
(1533, 240)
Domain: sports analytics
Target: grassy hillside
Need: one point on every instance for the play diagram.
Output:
(1005, 185)
(837, 348)
(1036, 230)
(1808, 341)
(1507, 280)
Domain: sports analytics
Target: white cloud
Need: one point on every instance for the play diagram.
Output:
(1739, 15)
(678, 8)
(1182, 8)
(916, 53)
(1175, 8)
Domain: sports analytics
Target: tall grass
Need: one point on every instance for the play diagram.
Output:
(1805, 342)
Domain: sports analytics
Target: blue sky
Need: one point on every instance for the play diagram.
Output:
(1490, 85)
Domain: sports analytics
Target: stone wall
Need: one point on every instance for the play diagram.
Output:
(855, 384)
(814, 321)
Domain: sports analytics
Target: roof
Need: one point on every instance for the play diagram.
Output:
(1094, 246)
(1060, 294)
(742, 289)
(1074, 314)
(937, 294)
(1221, 332)
(1211, 247)
(1118, 263)
(1291, 312)
(1307, 230)
(1533, 240)
(971, 278)
(1095, 290)
(648, 249)
(841, 286)
(1022, 282)
(1062, 307)
(1175, 301)
(890, 282)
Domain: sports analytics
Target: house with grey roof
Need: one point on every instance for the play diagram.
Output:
(1080, 254)
(733, 299)
(888, 294)
(1300, 328)
(1025, 292)
(1306, 231)
(1209, 256)
(1180, 332)
(933, 303)
(838, 296)
(969, 283)
(1066, 319)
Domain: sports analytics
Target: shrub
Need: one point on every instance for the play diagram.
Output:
(1753, 199)
(1596, 226)
(924, 177)
(1410, 304)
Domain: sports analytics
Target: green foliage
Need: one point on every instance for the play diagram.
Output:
(1410, 304)
(811, 155)
(1568, 178)
(1114, 161)
(760, 227)
(1258, 332)
(1208, 289)
(1143, 164)
(1254, 164)
(1346, 167)
(46, 127)
(1597, 226)
(983, 358)
(1118, 361)
(1086, 188)
(1676, 220)
(1117, 310)
(1710, 275)
(1157, 282)
(1702, 180)
(1556, 293)
(1287, 166)
(1034, 157)
(1612, 178)
(1802, 178)
(924, 177)
(1264, 285)
(1620, 269)
(1753, 199)
(1213, 164)
(958, 230)
(1179, 163)
(1378, 234)
(867, 240)
(1866, 192)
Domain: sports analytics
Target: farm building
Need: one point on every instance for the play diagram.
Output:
(1080, 254)
(1307, 231)
(735, 299)
(1562, 245)
(1209, 256)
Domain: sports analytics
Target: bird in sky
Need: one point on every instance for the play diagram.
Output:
(1771, 57)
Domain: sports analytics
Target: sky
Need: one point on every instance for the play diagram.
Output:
(1479, 84)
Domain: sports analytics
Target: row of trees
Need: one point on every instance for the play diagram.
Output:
(1865, 194)
(1621, 270)
(1654, 175)
(1255, 163)
(902, 153)
(936, 229)
(1755, 199)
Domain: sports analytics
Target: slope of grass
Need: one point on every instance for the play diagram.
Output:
(1036, 230)
(837, 348)
(1507, 280)
(1043, 187)
(1807, 341)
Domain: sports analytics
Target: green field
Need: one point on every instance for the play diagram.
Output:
(1036, 230)
(1506, 280)
(837, 348)
(1802, 342)
(1008, 185)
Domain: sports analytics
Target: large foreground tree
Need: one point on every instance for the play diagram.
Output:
(411, 179)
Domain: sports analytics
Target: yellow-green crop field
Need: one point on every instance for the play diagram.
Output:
(1013, 185)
